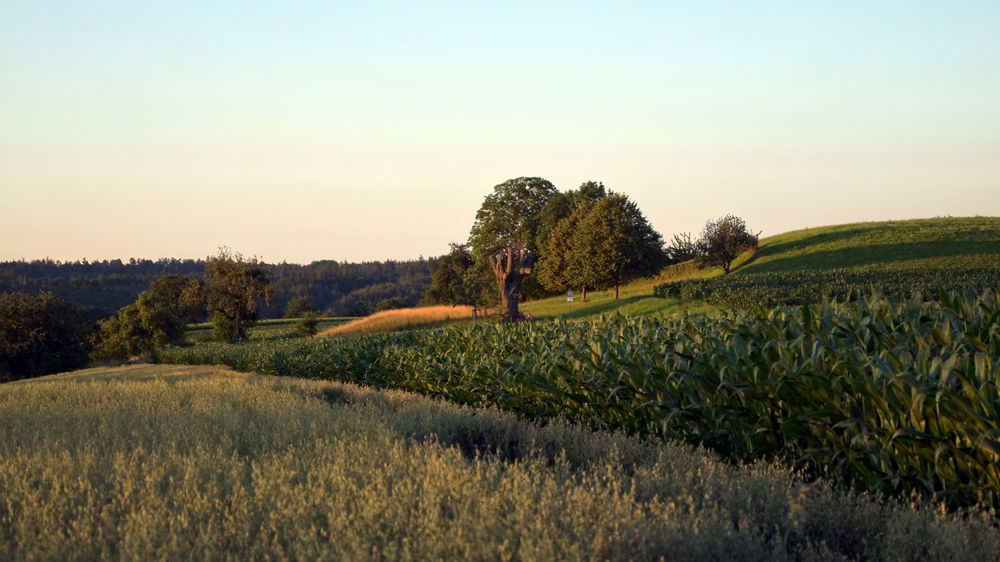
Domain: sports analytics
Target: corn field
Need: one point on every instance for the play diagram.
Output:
(806, 287)
(886, 395)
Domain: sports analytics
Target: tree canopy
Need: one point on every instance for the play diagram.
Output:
(613, 243)
(235, 286)
(510, 216)
(40, 334)
(449, 278)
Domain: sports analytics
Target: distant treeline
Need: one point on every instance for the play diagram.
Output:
(100, 288)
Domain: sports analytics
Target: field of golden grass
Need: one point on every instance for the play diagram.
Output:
(401, 319)
(201, 463)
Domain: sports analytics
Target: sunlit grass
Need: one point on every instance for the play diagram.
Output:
(185, 463)
(939, 242)
(402, 319)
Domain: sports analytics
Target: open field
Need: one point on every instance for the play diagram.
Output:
(266, 330)
(166, 462)
(402, 319)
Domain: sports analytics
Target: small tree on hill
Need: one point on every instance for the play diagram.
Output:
(682, 248)
(723, 240)
(234, 288)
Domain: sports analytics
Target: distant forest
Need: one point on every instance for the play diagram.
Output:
(100, 288)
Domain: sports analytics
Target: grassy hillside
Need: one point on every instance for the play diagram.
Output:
(941, 242)
(166, 462)
(895, 246)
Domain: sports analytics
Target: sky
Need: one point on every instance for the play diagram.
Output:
(298, 131)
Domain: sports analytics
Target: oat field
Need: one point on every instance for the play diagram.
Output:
(201, 463)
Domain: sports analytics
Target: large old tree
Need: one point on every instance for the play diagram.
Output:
(505, 236)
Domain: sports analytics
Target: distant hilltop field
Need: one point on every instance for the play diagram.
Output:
(939, 242)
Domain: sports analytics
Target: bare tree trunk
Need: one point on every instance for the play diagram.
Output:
(584, 293)
(510, 267)
(617, 278)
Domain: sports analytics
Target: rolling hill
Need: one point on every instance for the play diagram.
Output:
(939, 243)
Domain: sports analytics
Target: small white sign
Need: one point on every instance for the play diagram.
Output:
(569, 296)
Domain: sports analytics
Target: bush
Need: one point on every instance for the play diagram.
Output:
(309, 324)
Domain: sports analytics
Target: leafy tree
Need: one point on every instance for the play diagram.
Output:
(235, 286)
(448, 278)
(505, 236)
(556, 269)
(298, 307)
(615, 243)
(40, 334)
(182, 295)
(682, 248)
(562, 205)
(559, 271)
(723, 240)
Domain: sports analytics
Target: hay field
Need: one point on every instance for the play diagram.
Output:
(183, 463)
(401, 319)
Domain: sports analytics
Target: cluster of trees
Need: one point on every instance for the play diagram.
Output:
(101, 288)
(529, 239)
(41, 333)
(231, 296)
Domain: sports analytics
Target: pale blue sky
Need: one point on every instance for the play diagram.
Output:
(325, 130)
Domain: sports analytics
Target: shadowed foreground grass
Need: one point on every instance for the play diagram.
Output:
(165, 462)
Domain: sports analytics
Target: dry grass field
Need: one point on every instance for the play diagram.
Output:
(201, 463)
(401, 319)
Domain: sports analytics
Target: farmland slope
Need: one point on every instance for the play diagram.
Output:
(939, 243)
